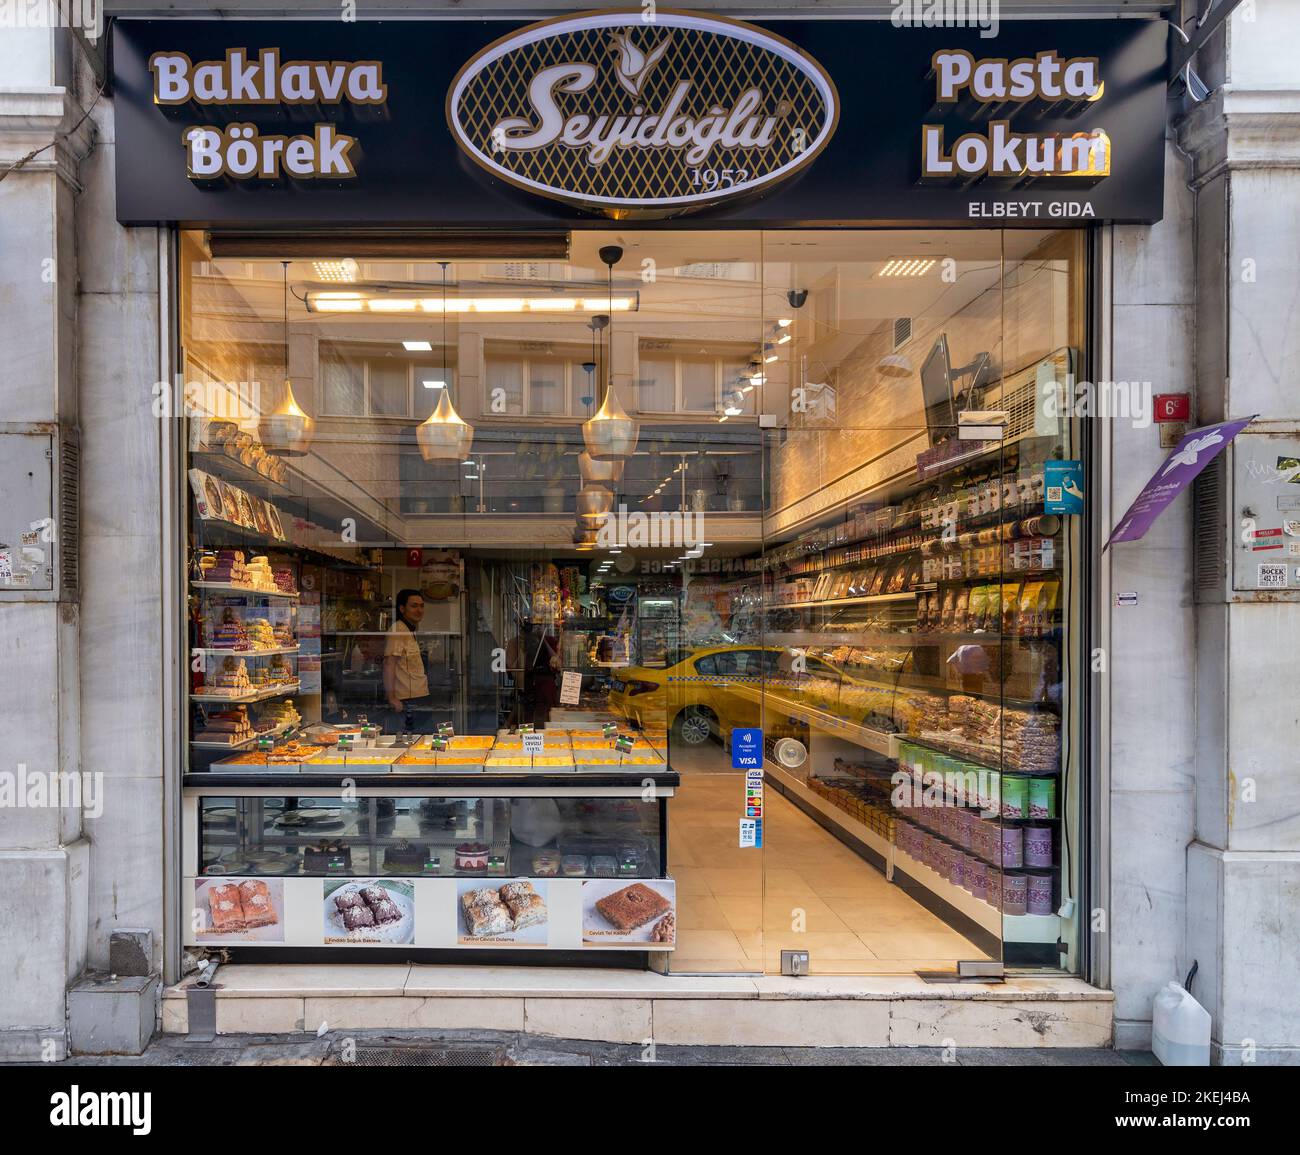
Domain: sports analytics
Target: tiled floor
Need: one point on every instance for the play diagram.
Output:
(738, 908)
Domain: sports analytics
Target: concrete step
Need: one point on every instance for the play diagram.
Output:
(619, 1006)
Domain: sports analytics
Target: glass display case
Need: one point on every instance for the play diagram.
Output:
(431, 836)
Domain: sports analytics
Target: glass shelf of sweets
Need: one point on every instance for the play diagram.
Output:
(430, 836)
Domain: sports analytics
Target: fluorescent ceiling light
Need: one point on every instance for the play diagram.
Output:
(434, 384)
(783, 339)
(397, 298)
(785, 322)
(417, 346)
(769, 358)
(907, 267)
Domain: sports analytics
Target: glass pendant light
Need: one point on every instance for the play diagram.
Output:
(611, 434)
(444, 436)
(286, 431)
(594, 503)
(600, 472)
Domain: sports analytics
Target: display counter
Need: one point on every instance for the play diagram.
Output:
(304, 854)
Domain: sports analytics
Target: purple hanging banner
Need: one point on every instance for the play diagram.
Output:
(1192, 454)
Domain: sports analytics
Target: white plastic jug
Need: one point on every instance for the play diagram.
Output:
(1180, 1029)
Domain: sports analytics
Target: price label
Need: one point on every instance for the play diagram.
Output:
(570, 688)
(534, 743)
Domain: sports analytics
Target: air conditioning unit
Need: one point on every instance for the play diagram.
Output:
(1036, 399)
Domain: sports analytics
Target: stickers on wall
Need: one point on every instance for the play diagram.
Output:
(751, 833)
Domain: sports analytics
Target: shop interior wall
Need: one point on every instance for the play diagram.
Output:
(1018, 318)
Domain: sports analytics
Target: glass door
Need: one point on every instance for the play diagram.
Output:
(917, 713)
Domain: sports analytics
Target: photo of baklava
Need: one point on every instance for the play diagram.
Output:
(615, 914)
(239, 909)
(368, 910)
(513, 913)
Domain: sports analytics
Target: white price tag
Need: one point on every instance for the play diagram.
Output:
(570, 688)
(534, 743)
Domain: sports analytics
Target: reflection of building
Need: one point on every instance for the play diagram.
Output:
(826, 537)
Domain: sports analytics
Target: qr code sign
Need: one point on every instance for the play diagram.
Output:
(1053, 493)
(1272, 576)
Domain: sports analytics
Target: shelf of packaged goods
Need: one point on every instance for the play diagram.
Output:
(1001, 577)
(226, 652)
(865, 599)
(230, 588)
(989, 757)
(244, 699)
(971, 525)
(896, 639)
(1037, 928)
(278, 732)
(961, 900)
(245, 535)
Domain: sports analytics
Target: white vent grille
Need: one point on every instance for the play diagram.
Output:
(524, 270)
(902, 332)
(1019, 401)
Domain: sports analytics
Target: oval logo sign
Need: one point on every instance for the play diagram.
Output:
(614, 113)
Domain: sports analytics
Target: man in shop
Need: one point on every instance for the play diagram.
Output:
(406, 685)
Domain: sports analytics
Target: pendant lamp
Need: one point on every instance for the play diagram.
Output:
(444, 436)
(611, 434)
(600, 472)
(594, 503)
(286, 431)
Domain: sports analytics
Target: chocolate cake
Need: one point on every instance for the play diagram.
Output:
(317, 859)
(405, 856)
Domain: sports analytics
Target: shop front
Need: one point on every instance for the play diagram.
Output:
(629, 496)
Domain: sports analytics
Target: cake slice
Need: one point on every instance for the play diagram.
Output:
(527, 910)
(227, 911)
(482, 921)
(255, 898)
(633, 906)
(357, 917)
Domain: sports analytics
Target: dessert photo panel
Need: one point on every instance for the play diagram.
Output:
(511, 912)
(615, 913)
(365, 910)
(238, 910)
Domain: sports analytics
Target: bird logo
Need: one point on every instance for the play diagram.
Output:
(1192, 450)
(632, 66)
